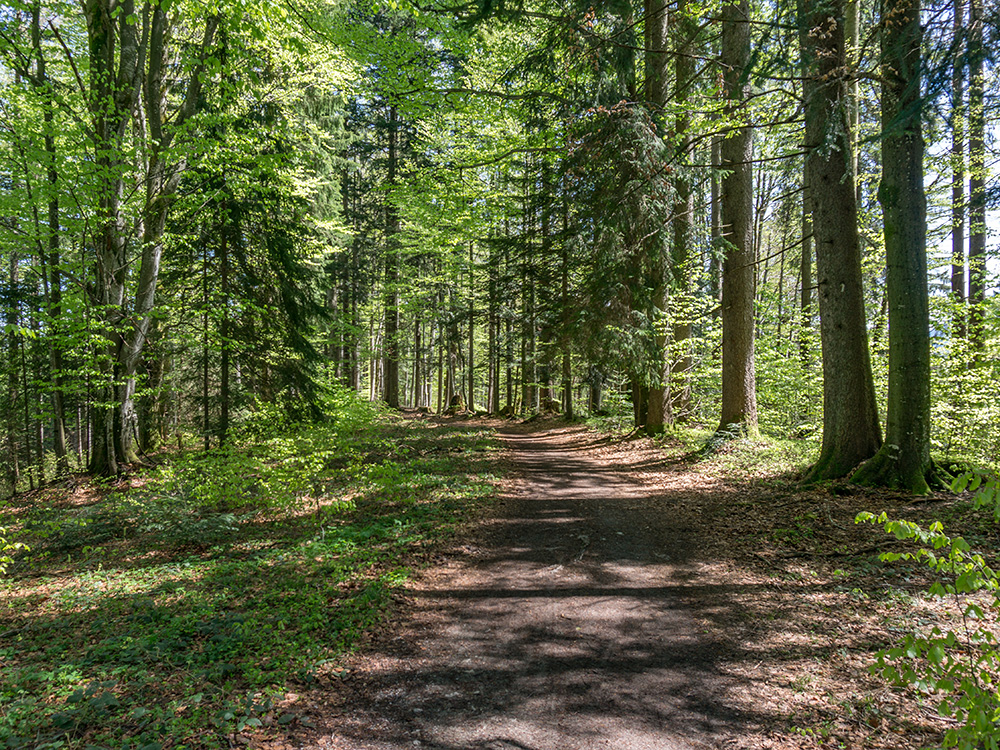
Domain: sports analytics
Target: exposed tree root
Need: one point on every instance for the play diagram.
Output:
(889, 470)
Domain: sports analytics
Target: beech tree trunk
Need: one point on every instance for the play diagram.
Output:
(904, 461)
(471, 405)
(128, 67)
(739, 390)
(851, 429)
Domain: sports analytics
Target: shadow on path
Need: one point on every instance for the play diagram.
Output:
(575, 625)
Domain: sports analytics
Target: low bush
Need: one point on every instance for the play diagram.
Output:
(959, 668)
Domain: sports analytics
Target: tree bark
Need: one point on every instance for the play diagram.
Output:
(128, 67)
(654, 413)
(977, 182)
(567, 361)
(739, 392)
(806, 271)
(904, 461)
(224, 366)
(852, 32)
(13, 464)
(390, 374)
(472, 329)
(958, 174)
(851, 430)
(683, 217)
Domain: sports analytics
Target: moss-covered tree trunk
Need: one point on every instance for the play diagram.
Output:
(904, 461)
(851, 430)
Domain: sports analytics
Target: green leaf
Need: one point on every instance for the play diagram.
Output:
(959, 484)
(935, 654)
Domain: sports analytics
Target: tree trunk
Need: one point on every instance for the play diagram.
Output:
(206, 416)
(716, 249)
(440, 370)
(654, 410)
(977, 181)
(851, 430)
(390, 374)
(683, 218)
(640, 401)
(806, 271)
(26, 403)
(852, 33)
(13, 465)
(354, 336)
(958, 173)
(904, 461)
(224, 368)
(739, 392)
(567, 370)
(418, 369)
(596, 382)
(472, 330)
(123, 63)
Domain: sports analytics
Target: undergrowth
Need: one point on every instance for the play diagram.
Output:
(956, 669)
(178, 612)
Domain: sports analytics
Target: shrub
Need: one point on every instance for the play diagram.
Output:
(960, 666)
(6, 547)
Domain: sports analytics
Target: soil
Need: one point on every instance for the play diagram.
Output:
(615, 598)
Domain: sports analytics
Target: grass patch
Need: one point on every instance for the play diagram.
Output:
(178, 611)
(762, 458)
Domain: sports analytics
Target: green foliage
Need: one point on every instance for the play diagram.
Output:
(966, 384)
(6, 547)
(789, 391)
(188, 606)
(959, 667)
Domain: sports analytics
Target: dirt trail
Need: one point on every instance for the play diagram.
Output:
(572, 624)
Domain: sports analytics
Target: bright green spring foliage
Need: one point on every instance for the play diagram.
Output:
(959, 667)
(181, 611)
(6, 547)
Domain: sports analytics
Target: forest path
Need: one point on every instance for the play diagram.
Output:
(574, 620)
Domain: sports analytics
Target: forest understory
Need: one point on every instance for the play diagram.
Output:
(460, 582)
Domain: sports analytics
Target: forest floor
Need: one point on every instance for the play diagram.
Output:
(464, 584)
(621, 595)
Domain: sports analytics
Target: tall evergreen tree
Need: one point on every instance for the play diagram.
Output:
(739, 388)
(851, 430)
(904, 460)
